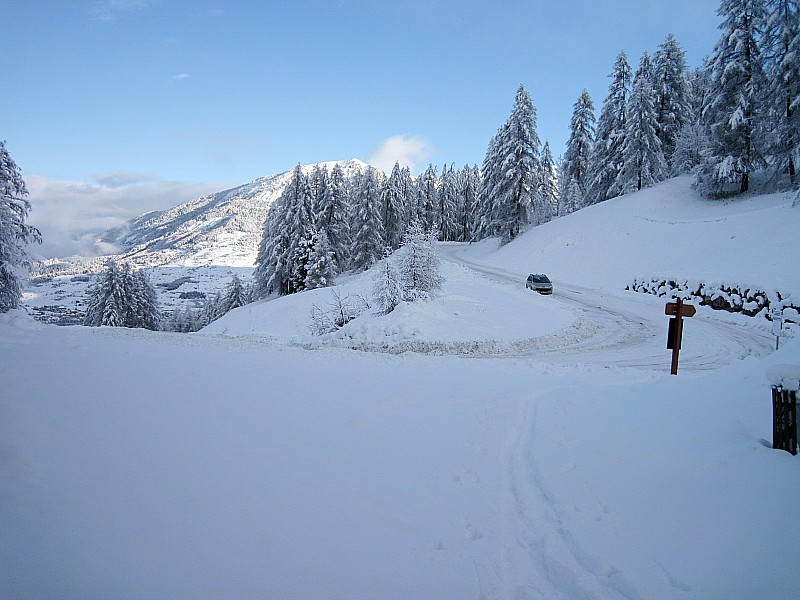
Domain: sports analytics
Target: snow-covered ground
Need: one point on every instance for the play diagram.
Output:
(493, 443)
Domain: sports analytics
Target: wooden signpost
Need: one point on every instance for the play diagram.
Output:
(677, 310)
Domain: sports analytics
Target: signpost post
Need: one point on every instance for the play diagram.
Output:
(777, 325)
(677, 310)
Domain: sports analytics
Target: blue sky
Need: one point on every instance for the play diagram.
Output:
(116, 107)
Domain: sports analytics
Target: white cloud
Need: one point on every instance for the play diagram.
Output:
(71, 215)
(409, 151)
(110, 10)
(179, 76)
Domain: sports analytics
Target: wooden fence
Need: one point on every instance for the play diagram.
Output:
(784, 419)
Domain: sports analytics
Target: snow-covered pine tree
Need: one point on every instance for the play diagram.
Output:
(409, 189)
(448, 202)
(692, 141)
(318, 184)
(367, 228)
(145, 310)
(301, 260)
(393, 201)
(643, 161)
(700, 82)
(15, 233)
(235, 295)
(104, 302)
(387, 292)
(271, 274)
(548, 188)
(606, 162)
(488, 191)
(575, 165)
(469, 183)
(332, 217)
(210, 311)
(321, 268)
(288, 221)
(418, 263)
(122, 298)
(183, 320)
(426, 198)
(515, 169)
(782, 49)
(672, 94)
(690, 146)
(736, 101)
(570, 197)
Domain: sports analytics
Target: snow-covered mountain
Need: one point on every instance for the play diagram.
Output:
(219, 229)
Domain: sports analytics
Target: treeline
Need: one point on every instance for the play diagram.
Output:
(325, 223)
(735, 116)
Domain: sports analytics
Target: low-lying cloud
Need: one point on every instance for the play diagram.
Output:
(72, 215)
(409, 151)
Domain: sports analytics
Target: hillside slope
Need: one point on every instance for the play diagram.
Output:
(667, 230)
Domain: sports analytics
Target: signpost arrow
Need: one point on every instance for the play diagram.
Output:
(677, 310)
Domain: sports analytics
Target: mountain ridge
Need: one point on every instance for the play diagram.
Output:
(219, 229)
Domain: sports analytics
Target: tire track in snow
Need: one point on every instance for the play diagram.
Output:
(545, 560)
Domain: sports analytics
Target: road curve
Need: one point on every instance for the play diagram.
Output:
(631, 328)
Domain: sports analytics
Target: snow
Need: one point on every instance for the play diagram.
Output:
(487, 443)
(785, 376)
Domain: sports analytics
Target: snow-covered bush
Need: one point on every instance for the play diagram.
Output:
(339, 312)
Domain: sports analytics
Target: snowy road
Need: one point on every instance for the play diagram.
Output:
(631, 329)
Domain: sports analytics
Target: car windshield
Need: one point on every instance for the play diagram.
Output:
(540, 279)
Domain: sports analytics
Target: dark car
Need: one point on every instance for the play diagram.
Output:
(540, 283)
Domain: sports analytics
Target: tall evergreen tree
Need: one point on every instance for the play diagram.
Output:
(321, 268)
(782, 48)
(15, 233)
(122, 298)
(368, 239)
(469, 183)
(235, 295)
(318, 184)
(288, 224)
(575, 165)
(606, 159)
(426, 198)
(548, 188)
(672, 94)
(737, 100)
(515, 169)
(570, 197)
(331, 216)
(643, 161)
(448, 201)
(488, 193)
(393, 201)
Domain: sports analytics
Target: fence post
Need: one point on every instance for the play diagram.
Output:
(784, 419)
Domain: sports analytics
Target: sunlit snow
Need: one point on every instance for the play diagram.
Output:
(488, 443)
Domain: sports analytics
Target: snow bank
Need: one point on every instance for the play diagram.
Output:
(785, 376)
